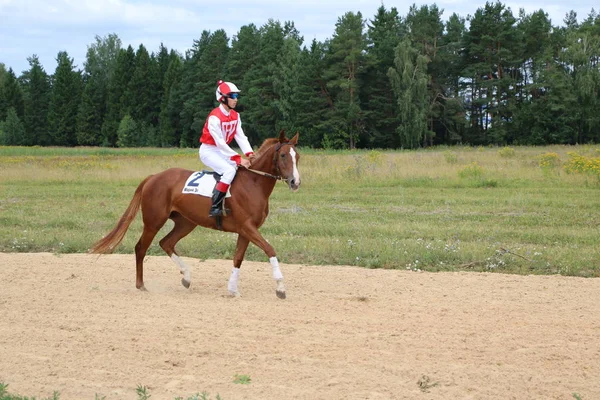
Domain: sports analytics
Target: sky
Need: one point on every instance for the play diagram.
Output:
(46, 27)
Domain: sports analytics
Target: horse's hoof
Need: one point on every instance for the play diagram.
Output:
(186, 284)
(143, 288)
(235, 294)
(280, 294)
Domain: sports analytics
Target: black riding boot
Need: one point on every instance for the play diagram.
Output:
(217, 203)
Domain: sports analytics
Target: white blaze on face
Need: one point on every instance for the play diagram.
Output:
(296, 173)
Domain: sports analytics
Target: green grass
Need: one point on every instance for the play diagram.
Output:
(441, 209)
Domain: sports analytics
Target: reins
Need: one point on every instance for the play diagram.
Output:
(276, 177)
(279, 178)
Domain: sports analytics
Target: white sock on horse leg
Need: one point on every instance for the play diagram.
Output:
(232, 285)
(182, 267)
(277, 275)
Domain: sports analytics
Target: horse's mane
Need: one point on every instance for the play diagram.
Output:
(266, 144)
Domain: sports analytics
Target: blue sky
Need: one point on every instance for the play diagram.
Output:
(46, 27)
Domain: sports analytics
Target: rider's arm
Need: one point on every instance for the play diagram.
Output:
(242, 140)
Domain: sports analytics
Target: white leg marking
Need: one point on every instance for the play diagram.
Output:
(232, 286)
(296, 173)
(280, 288)
(277, 275)
(182, 267)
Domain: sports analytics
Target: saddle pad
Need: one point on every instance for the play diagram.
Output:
(201, 183)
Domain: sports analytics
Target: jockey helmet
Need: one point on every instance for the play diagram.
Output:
(224, 89)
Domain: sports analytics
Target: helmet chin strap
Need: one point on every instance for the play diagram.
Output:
(226, 103)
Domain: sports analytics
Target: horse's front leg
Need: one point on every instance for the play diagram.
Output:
(278, 276)
(240, 251)
(255, 237)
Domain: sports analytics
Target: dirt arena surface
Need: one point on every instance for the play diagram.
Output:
(77, 325)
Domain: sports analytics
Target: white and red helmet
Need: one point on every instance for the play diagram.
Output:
(224, 89)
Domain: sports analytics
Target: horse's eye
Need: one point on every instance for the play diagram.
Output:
(283, 155)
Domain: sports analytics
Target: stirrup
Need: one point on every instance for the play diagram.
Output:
(218, 212)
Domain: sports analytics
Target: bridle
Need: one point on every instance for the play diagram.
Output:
(275, 156)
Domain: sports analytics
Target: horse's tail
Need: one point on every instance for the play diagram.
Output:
(109, 242)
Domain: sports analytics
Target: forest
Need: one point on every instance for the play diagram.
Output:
(387, 82)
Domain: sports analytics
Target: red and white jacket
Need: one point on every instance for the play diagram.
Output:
(220, 128)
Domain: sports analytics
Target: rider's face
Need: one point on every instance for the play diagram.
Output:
(231, 103)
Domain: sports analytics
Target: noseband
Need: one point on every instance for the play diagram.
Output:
(278, 176)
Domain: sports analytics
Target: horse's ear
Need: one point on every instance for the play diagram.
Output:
(294, 140)
(282, 138)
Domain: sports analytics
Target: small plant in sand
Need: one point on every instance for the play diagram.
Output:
(142, 392)
(4, 395)
(242, 379)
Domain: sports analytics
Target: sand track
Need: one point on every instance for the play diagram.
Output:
(76, 324)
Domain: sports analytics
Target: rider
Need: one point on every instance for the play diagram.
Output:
(223, 125)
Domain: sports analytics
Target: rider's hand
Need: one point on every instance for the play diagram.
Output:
(245, 163)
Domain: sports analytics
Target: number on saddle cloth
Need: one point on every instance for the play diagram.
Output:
(202, 183)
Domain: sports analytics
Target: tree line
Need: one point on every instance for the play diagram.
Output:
(391, 81)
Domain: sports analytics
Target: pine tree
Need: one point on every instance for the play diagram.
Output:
(128, 133)
(66, 94)
(182, 97)
(492, 52)
(140, 89)
(117, 101)
(346, 61)
(377, 98)
(451, 124)
(169, 118)
(426, 33)
(100, 65)
(409, 80)
(311, 102)
(90, 113)
(3, 101)
(12, 95)
(243, 54)
(37, 99)
(163, 60)
(211, 68)
(583, 55)
(286, 84)
(260, 98)
(12, 129)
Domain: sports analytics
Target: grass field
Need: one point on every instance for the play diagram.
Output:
(518, 210)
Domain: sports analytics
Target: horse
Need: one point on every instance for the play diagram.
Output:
(160, 198)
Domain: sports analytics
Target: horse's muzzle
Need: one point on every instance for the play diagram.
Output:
(293, 184)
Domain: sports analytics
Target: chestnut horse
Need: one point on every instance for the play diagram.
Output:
(160, 198)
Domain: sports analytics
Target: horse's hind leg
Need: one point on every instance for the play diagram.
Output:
(140, 252)
(181, 229)
(240, 251)
(154, 217)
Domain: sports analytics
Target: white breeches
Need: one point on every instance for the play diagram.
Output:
(212, 157)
